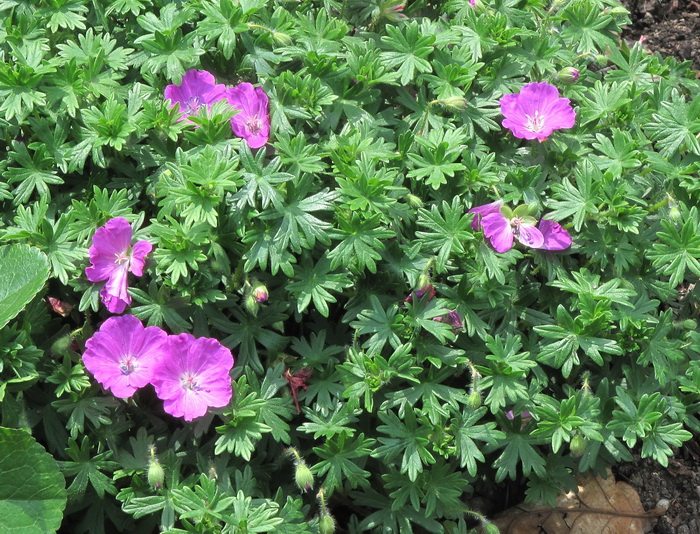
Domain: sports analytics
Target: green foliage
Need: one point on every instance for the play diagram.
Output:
(385, 131)
(32, 491)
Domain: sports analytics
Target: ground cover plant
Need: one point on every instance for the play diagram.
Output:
(336, 266)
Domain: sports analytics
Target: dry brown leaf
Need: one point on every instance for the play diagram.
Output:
(601, 506)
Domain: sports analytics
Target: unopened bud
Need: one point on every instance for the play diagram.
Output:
(474, 400)
(282, 38)
(61, 345)
(413, 201)
(326, 525)
(568, 75)
(690, 324)
(251, 304)
(577, 445)
(454, 103)
(156, 475)
(304, 477)
(489, 528)
(601, 60)
(674, 214)
(260, 293)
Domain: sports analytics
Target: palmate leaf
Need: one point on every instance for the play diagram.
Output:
(383, 325)
(408, 52)
(676, 126)
(362, 241)
(313, 283)
(466, 432)
(448, 228)
(34, 173)
(338, 461)
(408, 439)
(678, 251)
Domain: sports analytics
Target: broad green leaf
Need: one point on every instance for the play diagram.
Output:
(32, 488)
(23, 271)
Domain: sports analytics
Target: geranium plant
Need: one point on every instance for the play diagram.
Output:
(314, 267)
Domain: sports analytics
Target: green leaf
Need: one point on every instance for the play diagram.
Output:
(23, 271)
(32, 488)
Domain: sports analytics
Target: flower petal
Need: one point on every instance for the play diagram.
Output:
(530, 236)
(138, 256)
(498, 231)
(555, 237)
(480, 211)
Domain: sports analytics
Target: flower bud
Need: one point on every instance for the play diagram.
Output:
(474, 400)
(675, 214)
(326, 525)
(61, 345)
(282, 38)
(304, 477)
(577, 445)
(568, 75)
(489, 528)
(156, 475)
(601, 60)
(413, 201)
(454, 103)
(690, 324)
(251, 304)
(260, 293)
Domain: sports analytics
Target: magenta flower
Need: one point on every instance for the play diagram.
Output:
(122, 354)
(480, 211)
(501, 230)
(194, 376)
(536, 111)
(253, 121)
(112, 258)
(453, 319)
(197, 89)
(555, 237)
(418, 294)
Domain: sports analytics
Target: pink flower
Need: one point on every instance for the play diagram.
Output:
(494, 207)
(253, 121)
(112, 258)
(197, 89)
(453, 319)
(555, 237)
(122, 354)
(194, 376)
(536, 111)
(501, 230)
(418, 294)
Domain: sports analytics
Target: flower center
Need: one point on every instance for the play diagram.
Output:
(127, 365)
(254, 125)
(192, 106)
(535, 123)
(121, 258)
(189, 381)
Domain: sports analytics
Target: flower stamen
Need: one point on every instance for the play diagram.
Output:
(535, 123)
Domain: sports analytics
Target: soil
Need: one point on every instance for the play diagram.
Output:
(670, 27)
(678, 484)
